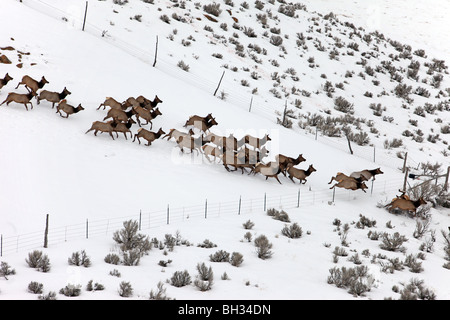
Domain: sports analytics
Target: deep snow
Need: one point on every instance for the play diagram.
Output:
(50, 166)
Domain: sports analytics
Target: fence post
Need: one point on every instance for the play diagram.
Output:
(446, 178)
(206, 208)
(167, 214)
(250, 108)
(85, 13)
(239, 212)
(404, 164)
(87, 229)
(404, 181)
(374, 154)
(156, 51)
(1, 245)
(140, 219)
(334, 192)
(219, 83)
(265, 199)
(46, 232)
(298, 198)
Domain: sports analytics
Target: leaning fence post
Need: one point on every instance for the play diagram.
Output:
(219, 83)
(46, 232)
(85, 13)
(156, 51)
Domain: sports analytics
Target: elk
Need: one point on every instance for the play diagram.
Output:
(53, 97)
(270, 170)
(31, 84)
(20, 98)
(252, 156)
(146, 115)
(67, 108)
(192, 119)
(5, 80)
(148, 135)
(209, 150)
(341, 176)
(230, 158)
(123, 127)
(113, 104)
(405, 204)
(148, 104)
(256, 143)
(367, 173)
(103, 127)
(283, 161)
(119, 115)
(300, 174)
(350, 184)
(191, 143)
(174, 133)
(202, 125)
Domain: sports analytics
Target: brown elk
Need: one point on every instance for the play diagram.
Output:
(31, 84)
(146, 115)
(405, 204)
(119, 115)
(350, 184)
(103, 127)
(300, 174)
(174, 133)
(148, 135)
(5, 80)
(148, 104)
(113, 104)
(209, 150)
(195, 118)
(229, 158)
(20, 98)
(123, 127)
(67, 108)
(53, 97)
(270, 170)
(283, 161)
(252, 156)
(342, 176)
(256, 143)
(191, 143)
(367, 173)
(202, 125)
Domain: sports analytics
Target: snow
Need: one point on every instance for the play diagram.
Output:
(50, 166)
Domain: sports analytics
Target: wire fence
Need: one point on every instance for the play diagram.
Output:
(175, 215)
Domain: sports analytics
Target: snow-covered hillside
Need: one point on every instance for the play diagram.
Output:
(274, 57)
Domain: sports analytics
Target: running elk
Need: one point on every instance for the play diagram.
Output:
(53, 97)
(20, 98)
(256, 143)
(300, 174)
(405, 204)
(146, 115)
(31, 84)
(148, 135)
(191, 143)
(270, 170)
(67, 108)
(5, 80)
(103, 127)
(283, 161)
(113, 104)
(350, 184)
(366, 173)
(123, 127)
(119, 115)
(174, 133)
(341, 176)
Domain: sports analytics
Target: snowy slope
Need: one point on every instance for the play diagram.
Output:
(50, 166)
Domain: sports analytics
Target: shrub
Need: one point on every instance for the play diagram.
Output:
(207, 244)
(112, 258)
(416, 290)
(342, 105)
(248, 225)
(356, 280)
(35, 287)
(94, 287)
(71, 290)
(236, 259)
(129, 239)
(365, 222)
(125, 289)
(183, 66)
(204, 279)
(131, 257)
(213, 8)
(160, 294)
(263, 247)
(276, 40)
(293, 231)
(180, 279)
(392, 243)
(49, 296)
(39, 261)
(278, 215)
(80, 259)
(220, 256)
(5, 270)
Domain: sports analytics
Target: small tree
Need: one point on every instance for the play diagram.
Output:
(204, 280)
(128, 238)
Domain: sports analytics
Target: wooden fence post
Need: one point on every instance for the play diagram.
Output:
(167, 214)
(206, 208)
(219, 83)
(404, 162)
(265, 199)
(87, 229)
(85, 14)
(239, 212)
(46, 232)
(156, 51)
(406, 178)
(446, 178)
